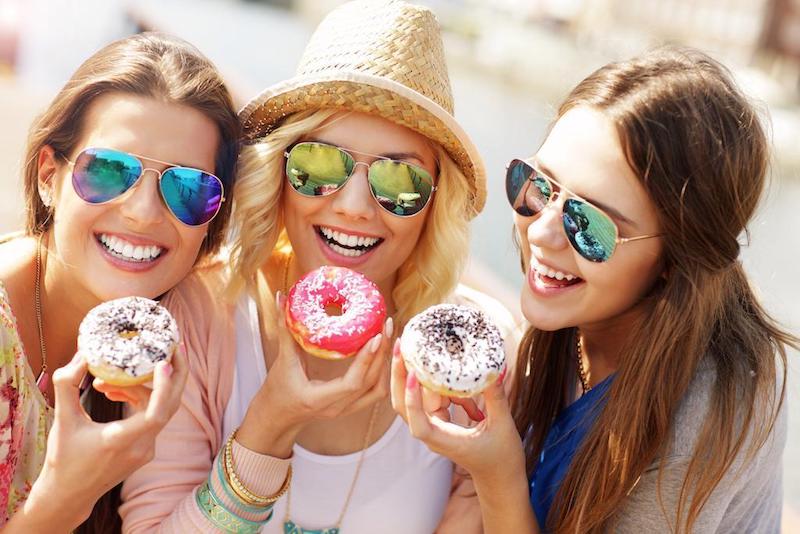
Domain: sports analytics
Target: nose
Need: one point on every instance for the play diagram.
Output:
(546, 231)
(142, 206)
(354, 200)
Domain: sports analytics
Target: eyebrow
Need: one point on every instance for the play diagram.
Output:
(387, 155)
(537, 164)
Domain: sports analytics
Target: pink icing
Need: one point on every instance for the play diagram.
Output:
(362, 305)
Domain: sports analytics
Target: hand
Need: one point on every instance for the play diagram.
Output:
(86, 459)
(288, 399)
(492, 449)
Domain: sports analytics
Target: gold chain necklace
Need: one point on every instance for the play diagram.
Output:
(43, 379)
(581, 371)
(292, 528)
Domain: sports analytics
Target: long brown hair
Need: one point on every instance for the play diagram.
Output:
(700, 150)
(156, 66)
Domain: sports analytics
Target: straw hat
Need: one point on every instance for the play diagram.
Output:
(379, 57)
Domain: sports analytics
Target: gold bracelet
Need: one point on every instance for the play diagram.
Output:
(239, 488)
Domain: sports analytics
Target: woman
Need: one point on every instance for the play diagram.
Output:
(355, 162)
(107, 217)
(648, 395)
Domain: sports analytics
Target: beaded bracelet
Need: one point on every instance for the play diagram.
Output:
(224, 519)
(239, 488)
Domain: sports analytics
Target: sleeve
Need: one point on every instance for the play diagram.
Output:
(9, 397)
(161, 496)
(747, 499)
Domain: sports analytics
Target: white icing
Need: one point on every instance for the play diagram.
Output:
(153, 335)
(455, 347)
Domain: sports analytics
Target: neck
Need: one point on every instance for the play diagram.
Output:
(603, 343)
(63, 307)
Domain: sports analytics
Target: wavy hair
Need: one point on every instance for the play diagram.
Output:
(700, 151)
(428, 275)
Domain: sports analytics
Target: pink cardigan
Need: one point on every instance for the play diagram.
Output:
(159, 497)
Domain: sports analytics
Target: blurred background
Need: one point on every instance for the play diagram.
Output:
(511, 61)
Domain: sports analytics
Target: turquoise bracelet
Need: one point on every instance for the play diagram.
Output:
(223, 518)
(232, 496)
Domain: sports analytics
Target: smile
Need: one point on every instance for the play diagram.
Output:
(549, 278)
(348, 244)
(124, 250)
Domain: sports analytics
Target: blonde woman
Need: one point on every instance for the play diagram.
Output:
(356, 162)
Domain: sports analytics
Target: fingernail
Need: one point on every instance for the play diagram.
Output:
(502, 376)
(396, 349)
(278, 298)
(166, 370)
(375, 343)
(480, 415)
(389, 327)
(411, 381)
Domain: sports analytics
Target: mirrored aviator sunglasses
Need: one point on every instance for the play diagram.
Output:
(100, 175)
(319, 169)
(591, 232)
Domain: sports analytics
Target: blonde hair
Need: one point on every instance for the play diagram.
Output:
(428, 275)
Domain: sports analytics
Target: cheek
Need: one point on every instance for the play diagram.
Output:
(623, 283)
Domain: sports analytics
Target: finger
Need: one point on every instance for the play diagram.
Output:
(352, 382)
(471, 408)
(398, 381)
(66, 384)
(496, 401)
(431, 401)
(168, 384)
(136, 396)
(417, 419)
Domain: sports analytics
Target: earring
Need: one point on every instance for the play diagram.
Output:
(45, 197)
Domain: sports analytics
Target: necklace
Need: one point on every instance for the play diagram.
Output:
(290, 527)
(581, 371)
(43, 379)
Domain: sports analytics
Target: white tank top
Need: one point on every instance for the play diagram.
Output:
(403, 487)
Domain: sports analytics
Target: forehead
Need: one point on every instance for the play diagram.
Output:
(584, 154)
(372, 134)
(153, 128)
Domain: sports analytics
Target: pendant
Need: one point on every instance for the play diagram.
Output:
(289, 527)
(43, 382)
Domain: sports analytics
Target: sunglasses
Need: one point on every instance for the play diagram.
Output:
(317, 169)
(591, 232)
(100, 175)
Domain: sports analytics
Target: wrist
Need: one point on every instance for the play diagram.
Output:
(267, 433)
(43, 511)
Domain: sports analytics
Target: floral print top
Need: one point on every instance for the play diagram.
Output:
(25, 417)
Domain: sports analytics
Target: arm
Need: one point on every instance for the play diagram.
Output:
(491, 451)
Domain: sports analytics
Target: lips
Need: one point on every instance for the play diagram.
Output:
(546, 280)
(347, 244)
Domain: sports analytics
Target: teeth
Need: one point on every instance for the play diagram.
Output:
(551, 273)
(129, 251)
(346, 240)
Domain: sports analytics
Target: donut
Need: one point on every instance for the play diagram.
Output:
(456, 351)
(123, 339)
(334, 336)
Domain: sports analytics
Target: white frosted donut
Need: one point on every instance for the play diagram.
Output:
(123, 339)
(453, 350)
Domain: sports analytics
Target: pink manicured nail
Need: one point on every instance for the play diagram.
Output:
(502, 376)
(396, 349)
(376, 342)
(480, 415)
(166, 370)
(411, 381)
(389, 327)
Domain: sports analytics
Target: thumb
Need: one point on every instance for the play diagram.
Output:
(66, 384)
(496, 401)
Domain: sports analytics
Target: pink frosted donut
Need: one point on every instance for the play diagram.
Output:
(334, 336)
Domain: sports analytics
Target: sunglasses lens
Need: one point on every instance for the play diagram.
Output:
(400, 188)
(315, 169)
(100, 174)
(528, 192)
(193, 196)
(589, 230)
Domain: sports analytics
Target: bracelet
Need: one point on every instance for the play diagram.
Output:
(239, 488)
(223, 518)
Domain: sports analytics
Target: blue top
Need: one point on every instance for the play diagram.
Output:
(563, 440)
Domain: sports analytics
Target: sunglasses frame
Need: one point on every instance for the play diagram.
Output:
(348, 151)
(160, 175)
(555, 195)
